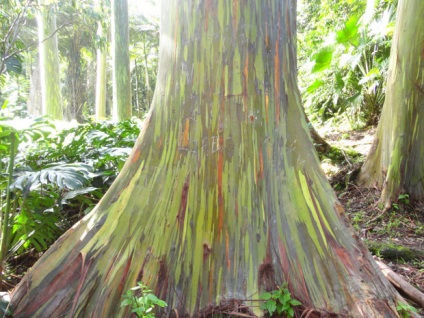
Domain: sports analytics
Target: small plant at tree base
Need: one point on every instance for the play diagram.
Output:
(405, 310)
(279, 301)
(404, 198)
(143, 304)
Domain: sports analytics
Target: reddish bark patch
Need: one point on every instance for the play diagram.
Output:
(266, 277)
(125, 274)
(84, 271)
(206, 251)
(64, 280)
(135, 155)
(163, 279)
(183, 204)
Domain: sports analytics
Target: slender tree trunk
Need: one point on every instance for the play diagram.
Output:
(146, 75)
(49, 61)
(75, 84)
(121, 61)
(34, 105)
(136, 88)
(101, 75)
(395, 162)
(222, 195)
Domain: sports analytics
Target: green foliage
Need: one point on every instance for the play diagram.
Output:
(405, 310)
(144, 49)
(344, 65)
(142, 301)
(403, 199)
(279, 301)
(57, 176)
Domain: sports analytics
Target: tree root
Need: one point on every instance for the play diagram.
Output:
(402, 285)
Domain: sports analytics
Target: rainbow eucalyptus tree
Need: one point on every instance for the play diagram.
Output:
(121, 80)
(222, 195)
(49, 60)
(101, 58)
(395, 162)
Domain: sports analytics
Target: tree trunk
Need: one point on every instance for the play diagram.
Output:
(121, 61)
(34, 104)
(395, 162)
(222, 195)
(75, 87)
(101, 75)
(49, 61)
(146, 75)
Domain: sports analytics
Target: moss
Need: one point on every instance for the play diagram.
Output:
(393, 252)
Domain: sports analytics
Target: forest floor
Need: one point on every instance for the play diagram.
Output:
(395, 236)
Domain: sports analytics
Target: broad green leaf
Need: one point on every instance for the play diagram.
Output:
(322, 60)
(271, 306)
(349, 34)
(152, 297)
(5, 133)
(284, 298)
(265, 296)
(314, 86)
(295, 302)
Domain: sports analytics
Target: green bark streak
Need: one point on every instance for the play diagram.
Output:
(395, 161)
(222, 196)
(49, 61)
(121, 61)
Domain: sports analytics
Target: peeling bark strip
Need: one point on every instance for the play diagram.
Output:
(222, 196)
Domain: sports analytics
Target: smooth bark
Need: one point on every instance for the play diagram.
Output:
(395, 162)
(49, 61)
(75, 84)
(34, 104)
(222, 196)
(100, 108)
(121, 61)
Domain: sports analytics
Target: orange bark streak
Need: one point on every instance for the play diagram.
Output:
(261, 164)
(186, 130)
(135, 155)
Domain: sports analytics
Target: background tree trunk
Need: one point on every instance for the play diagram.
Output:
(34, 104)
(395, 162)
(49, 61)
(100, 107)
(222, 195)
(121, 61)
(75, 84)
